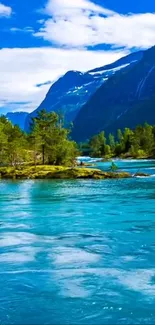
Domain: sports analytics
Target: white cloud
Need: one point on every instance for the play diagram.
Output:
(22, 69)
(81, 23)
(70, 7)
(5, 11)
(25, 29)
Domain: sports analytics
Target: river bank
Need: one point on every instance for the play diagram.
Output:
(58, 172)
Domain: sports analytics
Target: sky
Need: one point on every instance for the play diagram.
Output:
(43, 39)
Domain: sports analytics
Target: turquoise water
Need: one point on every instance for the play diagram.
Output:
(78, 252)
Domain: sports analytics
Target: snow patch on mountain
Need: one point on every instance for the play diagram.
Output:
(69, 93)
(110, 70)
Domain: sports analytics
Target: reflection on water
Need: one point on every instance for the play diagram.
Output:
(78, 252)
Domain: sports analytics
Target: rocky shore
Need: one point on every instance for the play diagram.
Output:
(58, 172)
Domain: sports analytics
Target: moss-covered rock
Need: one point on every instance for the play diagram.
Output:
(85, 164)
(58, 172)
(141, 175)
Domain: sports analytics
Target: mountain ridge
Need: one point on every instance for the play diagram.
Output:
(70, 92)
(114, 101)
(104, 98)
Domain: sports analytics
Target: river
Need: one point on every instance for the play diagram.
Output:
(79, 251)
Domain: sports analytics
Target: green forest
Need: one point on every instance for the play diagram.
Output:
(49, 143)
(138, 143)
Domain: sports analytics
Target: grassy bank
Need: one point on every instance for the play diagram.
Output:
(58, 172)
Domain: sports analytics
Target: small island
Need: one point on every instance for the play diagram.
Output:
(47, 151)
(58, 172)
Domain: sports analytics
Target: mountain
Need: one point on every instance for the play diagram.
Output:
(125, 100)
(17, 118)
(72, 91)
(121, 63)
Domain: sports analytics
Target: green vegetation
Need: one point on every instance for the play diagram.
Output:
(57, 172)
(47, 143)
(48, 152)
(113, 167)
(138, 143)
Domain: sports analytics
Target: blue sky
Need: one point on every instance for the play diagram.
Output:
(42, 39)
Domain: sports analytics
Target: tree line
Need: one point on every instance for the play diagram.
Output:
(48, 142)
(138, 143)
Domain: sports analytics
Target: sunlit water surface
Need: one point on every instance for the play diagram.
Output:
(78, 252)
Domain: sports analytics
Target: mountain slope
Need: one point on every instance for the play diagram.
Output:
(124, 100)
(17, 118)
(73, 90)
(131, 58)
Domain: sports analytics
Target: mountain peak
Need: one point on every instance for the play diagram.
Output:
(73, 90)
(72, 73)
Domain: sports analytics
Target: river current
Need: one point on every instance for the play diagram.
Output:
(79, 251)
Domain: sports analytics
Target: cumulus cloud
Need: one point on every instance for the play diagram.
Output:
(81, 23)
(71, 25)
(5, 11)
(23, 69)
(70, 7)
